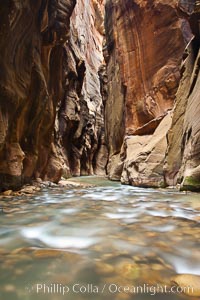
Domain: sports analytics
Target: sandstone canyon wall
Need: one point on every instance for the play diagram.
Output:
(81, 115)
(56, 88)
(182, 164)
(51, 120)
(144, 48)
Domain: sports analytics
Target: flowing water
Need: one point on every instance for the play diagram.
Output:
(100, 242)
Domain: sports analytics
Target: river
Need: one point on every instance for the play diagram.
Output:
(101, 242)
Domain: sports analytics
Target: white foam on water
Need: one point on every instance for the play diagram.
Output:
(32, 233)
(63, 242)
(158, 213)
(119, 216)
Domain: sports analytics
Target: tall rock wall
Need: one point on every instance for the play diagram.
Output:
(182, 163)
(81, 114)
(145, 42)
(50, 105)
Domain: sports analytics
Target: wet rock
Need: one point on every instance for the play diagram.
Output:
(164, 246)
(2, 251)
(23, 250)
(16, 193)
(29, 189)
(115, 167)
(129, 271)
(7, 193)
(38, 180)
(10, 211)
(104, 269)
(71, 184)
(189, 283)
(71, 257)
(47, 253)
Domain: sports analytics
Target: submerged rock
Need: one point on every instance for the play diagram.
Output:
(104, 269)
(47, 253)
(190, 284)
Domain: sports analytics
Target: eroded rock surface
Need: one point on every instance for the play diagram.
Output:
(31, 33)
(81, 122)
(145, 42)
(183, 163)
(51, 120)
(143, 165)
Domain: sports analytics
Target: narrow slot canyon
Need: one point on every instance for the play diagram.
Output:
(99, 149)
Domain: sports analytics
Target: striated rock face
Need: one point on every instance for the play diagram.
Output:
(183, 161)
(51, 121)
(81, 111)
(31, 34)
(145, 41)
